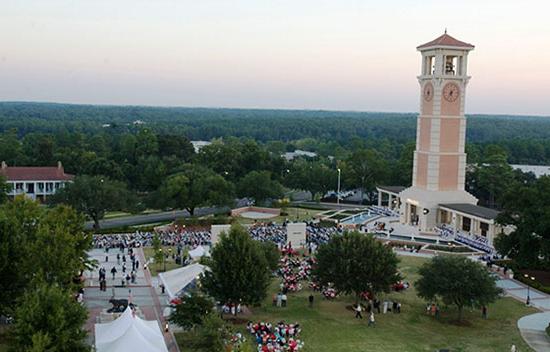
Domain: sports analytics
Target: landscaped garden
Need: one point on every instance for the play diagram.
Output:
(330, 325)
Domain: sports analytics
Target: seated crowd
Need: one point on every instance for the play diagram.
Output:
(317, 235)
(276, 338)
(269, 233)
(144, 239)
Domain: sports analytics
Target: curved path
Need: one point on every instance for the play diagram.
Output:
(532, 328)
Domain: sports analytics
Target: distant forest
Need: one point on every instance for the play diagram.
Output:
(526, 139)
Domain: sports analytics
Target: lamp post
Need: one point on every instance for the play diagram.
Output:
(338, 191)
(528, 301)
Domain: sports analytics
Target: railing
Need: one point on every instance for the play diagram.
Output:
(478, 242)
(383, 211)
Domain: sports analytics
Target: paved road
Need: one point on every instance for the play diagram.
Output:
(152, 218)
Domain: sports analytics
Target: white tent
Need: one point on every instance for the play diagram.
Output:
(198, 252)
(176, 280)
(129, 333)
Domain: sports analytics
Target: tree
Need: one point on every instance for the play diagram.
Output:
(364, 169)
(313, 176)
(259, 186)
(192, 310)
(93, 196)
(495, 175)
(196, 186)
(212, 335)
(239, 271)
(38, 242)
(18, 225)
(456, 280)
(527, 211)
(4, 189)
(59, 247)
(271, 253)
(158, 253)
(356, 263)
(48, 315)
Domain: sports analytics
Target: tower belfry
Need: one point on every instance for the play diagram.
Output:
(439, 159)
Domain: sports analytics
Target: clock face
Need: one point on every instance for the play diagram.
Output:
(428, 91)
(451, 92)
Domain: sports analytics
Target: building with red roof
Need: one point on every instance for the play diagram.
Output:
(36, 182)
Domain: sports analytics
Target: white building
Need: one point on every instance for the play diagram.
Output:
(34, 182)
(298, 153)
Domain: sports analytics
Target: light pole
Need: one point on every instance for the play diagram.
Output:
(528, 301)
(338, 191)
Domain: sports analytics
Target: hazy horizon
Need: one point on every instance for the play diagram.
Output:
(349, 55)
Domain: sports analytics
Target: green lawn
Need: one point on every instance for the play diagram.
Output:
(294, 214)
(329, 327)
(155, 268)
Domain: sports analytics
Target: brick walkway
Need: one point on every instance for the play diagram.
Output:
(143, 294)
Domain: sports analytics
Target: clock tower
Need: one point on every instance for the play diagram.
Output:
(439, 159)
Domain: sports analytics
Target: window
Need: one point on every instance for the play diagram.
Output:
(451, 65)
(484, 227)
(466, 224)
(429, 65)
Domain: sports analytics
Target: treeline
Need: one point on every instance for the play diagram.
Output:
(526, 139)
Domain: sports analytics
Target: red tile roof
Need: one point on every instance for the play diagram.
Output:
(446, 40)
(32, 173)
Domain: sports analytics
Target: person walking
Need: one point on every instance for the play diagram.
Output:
(113, 271)
(484, 312)
(358, 310)
(371, 320)
(283, 299)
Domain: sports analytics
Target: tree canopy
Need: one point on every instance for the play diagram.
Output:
(93, 196)
(38, 242)
(239, 271)
(355, 263)
(527, 210)
(456, 280)
(194, 187)
(47, 317)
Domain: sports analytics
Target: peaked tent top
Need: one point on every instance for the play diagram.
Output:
(445, 40)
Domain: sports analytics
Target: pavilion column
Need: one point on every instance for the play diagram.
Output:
(379, 198)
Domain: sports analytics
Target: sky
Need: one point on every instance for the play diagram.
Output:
(287, 54)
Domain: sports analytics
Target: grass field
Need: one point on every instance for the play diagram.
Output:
(330, 327)
(155, 268)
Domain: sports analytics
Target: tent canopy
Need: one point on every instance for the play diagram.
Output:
(176, 280)
(198, 252)
(129, 333)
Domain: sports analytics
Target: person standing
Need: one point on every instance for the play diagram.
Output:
(371, 320)
(358, 310)
(113, 271)
(310, 298)
(484, 312)
(283, 299)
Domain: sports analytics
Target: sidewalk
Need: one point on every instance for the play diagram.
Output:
(531, 327)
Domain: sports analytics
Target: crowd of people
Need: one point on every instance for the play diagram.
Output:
(269, 233)
(317, 235)
(292, 270)
(144, 239)
(281, 337)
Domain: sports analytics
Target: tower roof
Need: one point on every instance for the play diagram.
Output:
(447, 41)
